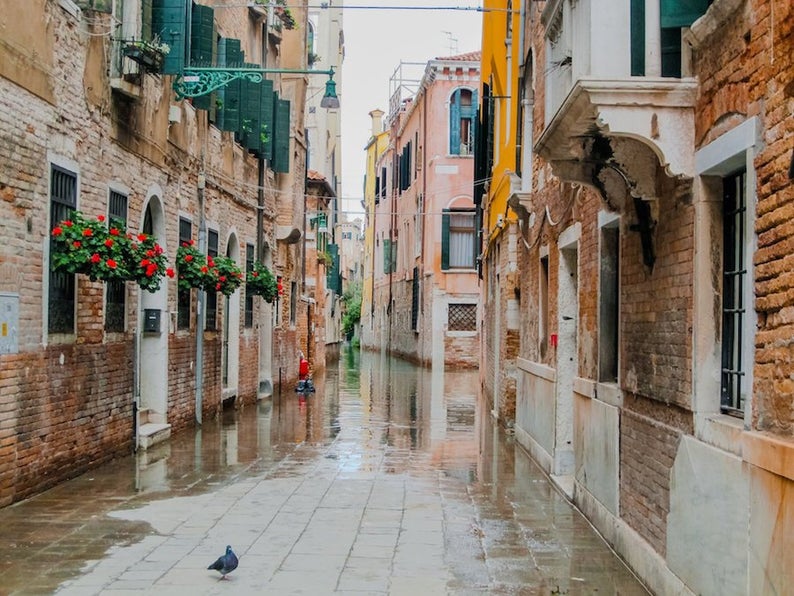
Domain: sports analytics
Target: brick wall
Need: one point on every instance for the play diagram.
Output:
(647, 452)
(66, 402)
(656, 308)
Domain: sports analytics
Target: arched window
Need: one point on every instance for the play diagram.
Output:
(462, 108)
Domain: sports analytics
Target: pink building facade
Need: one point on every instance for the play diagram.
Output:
(424, 267)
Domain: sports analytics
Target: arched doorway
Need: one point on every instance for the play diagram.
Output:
(152, 360)
(230, 356)
(266, 337)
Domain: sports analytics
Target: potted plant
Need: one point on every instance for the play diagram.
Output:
(195, 270)
(261, 282)
(149, 54)
(106, 252)
(223, 275)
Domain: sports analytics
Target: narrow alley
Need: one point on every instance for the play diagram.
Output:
(388, 480)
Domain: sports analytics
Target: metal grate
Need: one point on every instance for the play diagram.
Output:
(115, 291)
(61, 297)
(462, 317)
(183, 294)
(211, 303)
(249, 298)
(734, 278)
(415, 301)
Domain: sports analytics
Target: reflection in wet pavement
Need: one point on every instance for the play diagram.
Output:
(414, 438)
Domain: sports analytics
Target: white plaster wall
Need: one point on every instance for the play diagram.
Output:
(535, 407)
(707, 541)
(597, 456)
(771, 533)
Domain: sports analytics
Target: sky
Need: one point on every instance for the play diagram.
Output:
(376, 41)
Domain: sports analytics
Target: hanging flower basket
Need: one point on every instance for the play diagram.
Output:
(106, 252)
(261, 282)
(195, 270)
(149, 54)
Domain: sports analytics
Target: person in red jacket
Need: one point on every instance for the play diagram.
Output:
(303, 368)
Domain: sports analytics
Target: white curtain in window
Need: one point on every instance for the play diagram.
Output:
(461, 240)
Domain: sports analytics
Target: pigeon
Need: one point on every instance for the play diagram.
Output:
(226, 563)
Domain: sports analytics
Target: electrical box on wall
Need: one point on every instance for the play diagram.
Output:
(9, 323)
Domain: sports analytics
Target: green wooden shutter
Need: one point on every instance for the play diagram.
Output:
(146, 20)
(227, 116)
(250, 96)
(281, 136)
(169, 25)
(682, 13)
(266, 112)
(202, 47)
(333, 279)
(637, 19)
(454, 123)
(445, 217)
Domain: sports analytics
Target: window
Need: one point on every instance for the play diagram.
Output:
(734, 280)
(462, 317)
(458, 239)
(61, 297)
(293, 303)
(115, 291)
(543, 307)
(415, 301)
(462, 105)
(211, 317)
(183, 294)
(249, 298)
(608, 306)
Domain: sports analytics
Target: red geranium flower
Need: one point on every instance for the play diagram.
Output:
(95, 258)
(142, 237)
(108, 242)
(111, 263)
(188, 258)
(169, 272)
(77, 244)
(88, 232)
(100, 217)
(114, 232)
(56, 231)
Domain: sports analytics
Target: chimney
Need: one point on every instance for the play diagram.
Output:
(377, 121)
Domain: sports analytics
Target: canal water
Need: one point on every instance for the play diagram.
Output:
(452, 505)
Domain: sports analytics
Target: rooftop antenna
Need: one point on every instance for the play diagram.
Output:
(453, 43)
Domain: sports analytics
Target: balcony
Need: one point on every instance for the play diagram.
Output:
(619, 101)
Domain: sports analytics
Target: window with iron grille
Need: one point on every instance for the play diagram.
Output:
(734, 280)
(61, 296)
(183, 295)
(115, 291)
(249, 298)
(415, 301)
(462, 317)
(293, 303)
(211, 303)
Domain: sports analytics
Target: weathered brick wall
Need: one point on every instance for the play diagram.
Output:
(771, 88)
(656, 308)
(65, 409)
(67, 405)
(649, 437)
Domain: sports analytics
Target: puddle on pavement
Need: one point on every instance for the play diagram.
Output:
(369, 412)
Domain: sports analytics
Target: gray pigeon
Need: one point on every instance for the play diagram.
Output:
(226, 563)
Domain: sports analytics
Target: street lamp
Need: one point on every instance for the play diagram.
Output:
(196, 81)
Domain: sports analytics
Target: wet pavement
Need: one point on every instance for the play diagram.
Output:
(390, 479)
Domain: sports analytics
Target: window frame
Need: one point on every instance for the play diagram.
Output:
(446, 232)
(57, 279)
(458, 114)
(116, 291)
(211, 299)
(184, 295)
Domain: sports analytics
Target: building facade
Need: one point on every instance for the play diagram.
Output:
(652, 372)
(91, 123)
(424, 222)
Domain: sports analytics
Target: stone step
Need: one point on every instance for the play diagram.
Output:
(151, 433)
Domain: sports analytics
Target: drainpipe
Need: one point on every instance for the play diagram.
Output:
(202, 248)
